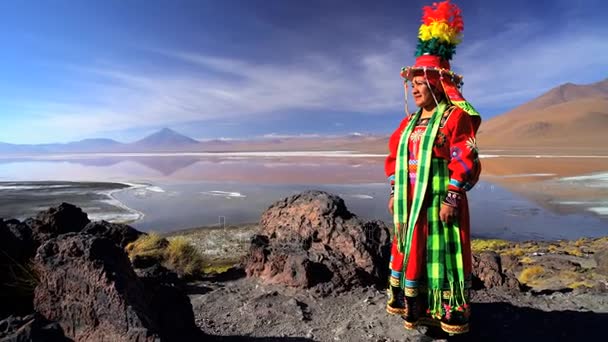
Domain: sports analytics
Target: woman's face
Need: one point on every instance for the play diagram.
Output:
(421, 92)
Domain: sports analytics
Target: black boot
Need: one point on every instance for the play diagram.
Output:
(396, 302)
(412, 312)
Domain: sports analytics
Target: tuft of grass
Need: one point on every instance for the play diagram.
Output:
(526, 260)
(515, 251)
(152, 245)
(181, 255)
(20, 279)
(479, 245)
(530, 274)
(217, 268)
(176, 254)
(574, 251)
(584, 283)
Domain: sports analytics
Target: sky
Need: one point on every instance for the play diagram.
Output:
(123, 69)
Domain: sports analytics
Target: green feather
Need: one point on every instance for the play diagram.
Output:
(435, 47)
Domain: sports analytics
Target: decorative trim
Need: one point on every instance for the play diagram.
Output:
(396, 311)
(455, 329)
(410, 325)
(456, 183)
(411, 283)
(411, 291)
(452, 199)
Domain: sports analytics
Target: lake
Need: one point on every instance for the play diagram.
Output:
(165, 192)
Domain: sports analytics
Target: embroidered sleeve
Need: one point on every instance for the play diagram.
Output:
(393, 145)
(464, 165)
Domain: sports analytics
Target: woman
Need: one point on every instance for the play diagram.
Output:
(432, 162)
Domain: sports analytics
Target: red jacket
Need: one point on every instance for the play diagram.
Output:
(455, 142)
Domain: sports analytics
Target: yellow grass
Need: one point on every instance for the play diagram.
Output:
(530, 274)
(479, 245)
(526, 260)
(181, 255)
(515, 251)
(147, 245)
(584, 283)
(176, 254)
(219, 268)
(575, 251)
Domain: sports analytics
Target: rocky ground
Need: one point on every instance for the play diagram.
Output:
(243, 307)
(540, 291)
(309, 271)
(544, 309)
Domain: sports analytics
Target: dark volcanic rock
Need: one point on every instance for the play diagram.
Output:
(16, 240)
(488, 272)
(169, 304)
(88, 286)
(65, 218)
(121, 234)
(32, 328)
(311, 239)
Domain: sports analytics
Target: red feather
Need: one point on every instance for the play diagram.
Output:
(443, 11)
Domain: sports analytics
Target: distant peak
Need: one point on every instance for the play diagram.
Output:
(166, 137)
(166, 130)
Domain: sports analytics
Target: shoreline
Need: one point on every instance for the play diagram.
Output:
(111, 194)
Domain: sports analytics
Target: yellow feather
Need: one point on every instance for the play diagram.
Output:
(440, 30)
(424, 33)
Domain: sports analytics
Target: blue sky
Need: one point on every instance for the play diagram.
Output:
(240, 69)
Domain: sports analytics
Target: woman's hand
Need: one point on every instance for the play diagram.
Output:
(390, 204)
(447, 214)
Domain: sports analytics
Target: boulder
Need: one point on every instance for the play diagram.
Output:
(312, 240)
(170, 306)
(88, 286)
(65, 218)
(488, 272)
(121, 234)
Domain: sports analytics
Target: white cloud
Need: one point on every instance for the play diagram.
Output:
(502, 70)
(208, 87)
(522, 62)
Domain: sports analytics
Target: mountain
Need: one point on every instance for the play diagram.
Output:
(568, 117)
(6, 148)
(168, 140)
(86, 145)
(164, 140)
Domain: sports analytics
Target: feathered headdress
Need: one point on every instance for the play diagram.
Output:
(441, 30)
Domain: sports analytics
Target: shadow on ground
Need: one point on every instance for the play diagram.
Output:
(234, 273)
(506, 322)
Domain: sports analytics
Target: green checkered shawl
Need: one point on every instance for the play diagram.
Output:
(444, 262)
